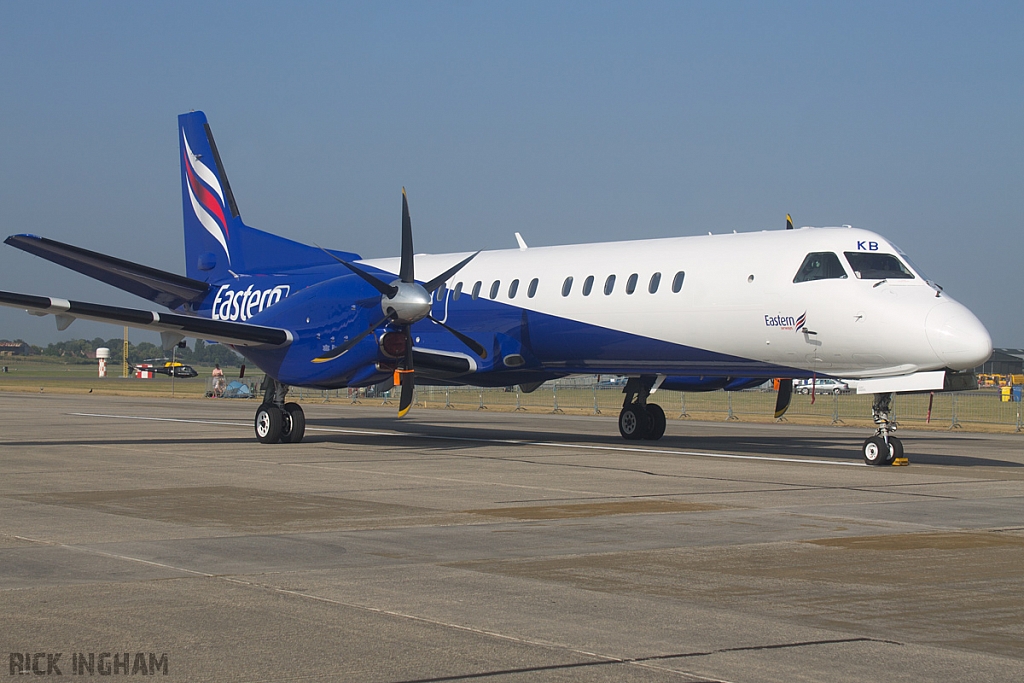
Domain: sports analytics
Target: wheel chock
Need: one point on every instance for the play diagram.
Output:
(897, 462)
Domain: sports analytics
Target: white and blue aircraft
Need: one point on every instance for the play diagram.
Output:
(683, 314)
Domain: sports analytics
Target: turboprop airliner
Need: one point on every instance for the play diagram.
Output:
(695, 313)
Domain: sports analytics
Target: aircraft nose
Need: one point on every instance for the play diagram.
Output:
(957, 336)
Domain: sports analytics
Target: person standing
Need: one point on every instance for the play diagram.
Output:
(218, 380)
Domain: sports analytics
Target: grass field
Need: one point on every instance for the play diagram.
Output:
(42, 376)
(969, 411)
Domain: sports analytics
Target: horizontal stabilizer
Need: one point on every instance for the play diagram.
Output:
(223, 331)
(166, 289)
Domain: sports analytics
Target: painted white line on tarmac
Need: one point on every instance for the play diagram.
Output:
(510, 442)
(163, 419)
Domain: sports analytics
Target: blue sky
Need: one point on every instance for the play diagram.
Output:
(566, 122)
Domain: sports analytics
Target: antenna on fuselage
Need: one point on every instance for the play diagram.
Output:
(789, 222)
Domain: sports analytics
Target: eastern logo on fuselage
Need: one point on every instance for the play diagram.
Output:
(786, 322)
(231, 304)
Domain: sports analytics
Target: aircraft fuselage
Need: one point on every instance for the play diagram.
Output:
(734, 312)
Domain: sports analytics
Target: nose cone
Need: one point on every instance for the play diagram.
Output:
(957, 336)
(410, 304)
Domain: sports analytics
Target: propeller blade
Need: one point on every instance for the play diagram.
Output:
(473, 345)
(408, 385)
(784, 398)
(443, 277)
(378, 284)
(406, 273)
(339, 350)
(406, 376)
(381, 286)
(789, 222)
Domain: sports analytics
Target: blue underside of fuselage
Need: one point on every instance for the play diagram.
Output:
(551, 346)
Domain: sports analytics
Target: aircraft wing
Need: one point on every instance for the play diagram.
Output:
(167, 289)
(172, 324)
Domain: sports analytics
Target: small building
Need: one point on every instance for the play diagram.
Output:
(14, 348)
(1003, 362)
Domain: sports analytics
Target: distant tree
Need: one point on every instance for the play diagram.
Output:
(83, 350)
(116, 351)
(208, 354)
(70, 349)
(144, 351)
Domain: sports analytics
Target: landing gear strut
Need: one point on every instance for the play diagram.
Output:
(883, 448)
(638, 418)
(276, 420)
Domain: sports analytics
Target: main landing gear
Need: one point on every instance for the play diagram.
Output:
(883, 448)
(638, 418)
(276, 420)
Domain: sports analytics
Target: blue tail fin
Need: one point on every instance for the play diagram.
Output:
(216, 239)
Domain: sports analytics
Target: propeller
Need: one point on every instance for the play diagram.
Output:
(784, 399)
(404, 302)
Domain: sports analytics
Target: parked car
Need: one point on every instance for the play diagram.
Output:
(821, 386)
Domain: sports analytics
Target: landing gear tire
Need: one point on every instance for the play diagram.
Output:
(877, 452)
(634, 423)
(268, 423)
(657, 420)
(294, 426)
(896, 446)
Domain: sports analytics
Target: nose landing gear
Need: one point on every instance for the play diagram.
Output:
(276, 420)
(639, 419)
(883, 448)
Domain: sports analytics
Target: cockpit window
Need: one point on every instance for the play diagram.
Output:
(868, 266)
(820, 265)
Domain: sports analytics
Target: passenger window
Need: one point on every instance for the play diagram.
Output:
(476, 289)
(609, 285)
(567, 286)
(677, 282)
(533, 288)
(631, 283)
(821, 265)
(457, 293)
(877, 266)
(512, 289)
(441, 292)
(655, 281)
(588, 285)
(494, 288)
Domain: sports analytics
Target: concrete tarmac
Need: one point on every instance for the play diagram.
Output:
(465, 546)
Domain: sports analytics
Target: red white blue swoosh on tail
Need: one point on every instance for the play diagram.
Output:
(801, 321)
(209, 207)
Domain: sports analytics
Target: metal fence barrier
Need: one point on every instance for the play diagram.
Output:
(939, 410)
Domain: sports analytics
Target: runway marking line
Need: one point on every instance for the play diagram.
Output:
(511, 442)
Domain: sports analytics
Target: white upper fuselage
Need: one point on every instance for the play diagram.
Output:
(738, 297)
